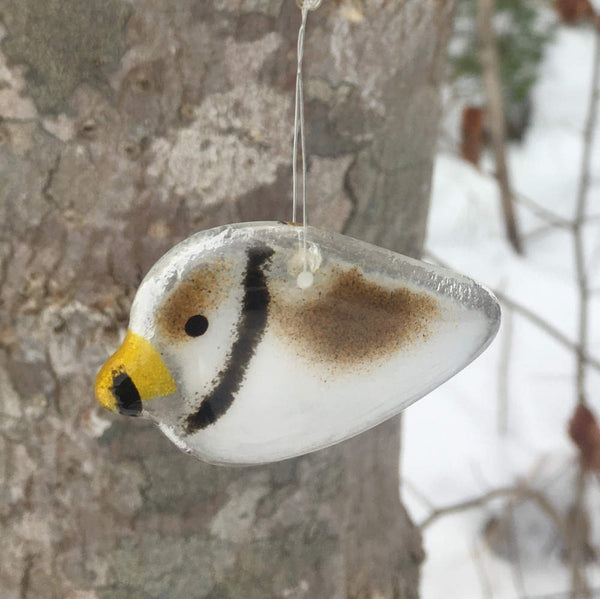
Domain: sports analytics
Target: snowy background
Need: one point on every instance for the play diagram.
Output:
(460, 442)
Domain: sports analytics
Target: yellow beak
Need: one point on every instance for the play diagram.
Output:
(134, 373)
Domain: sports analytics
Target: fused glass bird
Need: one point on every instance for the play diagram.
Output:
(246, 348)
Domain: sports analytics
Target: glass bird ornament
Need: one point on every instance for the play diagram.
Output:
(245, 348)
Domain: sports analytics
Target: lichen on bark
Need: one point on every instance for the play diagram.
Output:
(64, 43)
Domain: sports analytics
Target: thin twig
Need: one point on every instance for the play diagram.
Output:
(519, 492)
(468, 504)
(503, 375)
(552, 219)
(513, 547)
(579, 584)
(582, 195)
(544, 230)
(542, 212)
(490, 66)
(486, 585)
(548, 328)
(417, 493)
(578, 540)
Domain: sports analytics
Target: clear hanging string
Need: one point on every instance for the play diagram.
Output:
(305, 278)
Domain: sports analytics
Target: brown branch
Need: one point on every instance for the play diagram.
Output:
(490, 66)
(517, 492)
(578, 540)
(542, 212)
(513, 547)
(548, 328)
(551, 218)
(542, 230)
(468, 504)
(503, 372)
(486, 585)
(417, 493)
(579, 533)
(582, 195)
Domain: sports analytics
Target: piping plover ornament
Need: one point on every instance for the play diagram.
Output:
(244, 352)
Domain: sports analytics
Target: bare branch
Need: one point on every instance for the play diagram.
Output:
(548, 328)
(486, 585)
(552, 219)
(513, 542)
(579, 532)
(518, 493)
(468, 504)
(490, 65)
(582, 195)
(417, 493)
(578, 540)
(503, 373)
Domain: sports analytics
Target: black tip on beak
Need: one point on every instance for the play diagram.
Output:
(126, 394)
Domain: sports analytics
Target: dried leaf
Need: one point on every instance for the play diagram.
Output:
(473, 118)
(585, 433)
(572, 11)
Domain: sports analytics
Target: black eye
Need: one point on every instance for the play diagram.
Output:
(196, 325)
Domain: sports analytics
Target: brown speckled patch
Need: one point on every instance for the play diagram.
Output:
(198, 293)
(354, 321)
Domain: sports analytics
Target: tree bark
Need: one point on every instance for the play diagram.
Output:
(126, 127)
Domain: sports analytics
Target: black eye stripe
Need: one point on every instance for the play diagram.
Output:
(249, 332)
(196, 325)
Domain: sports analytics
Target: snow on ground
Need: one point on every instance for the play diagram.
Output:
(452, 448)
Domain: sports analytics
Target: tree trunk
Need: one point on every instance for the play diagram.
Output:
(126, 127)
